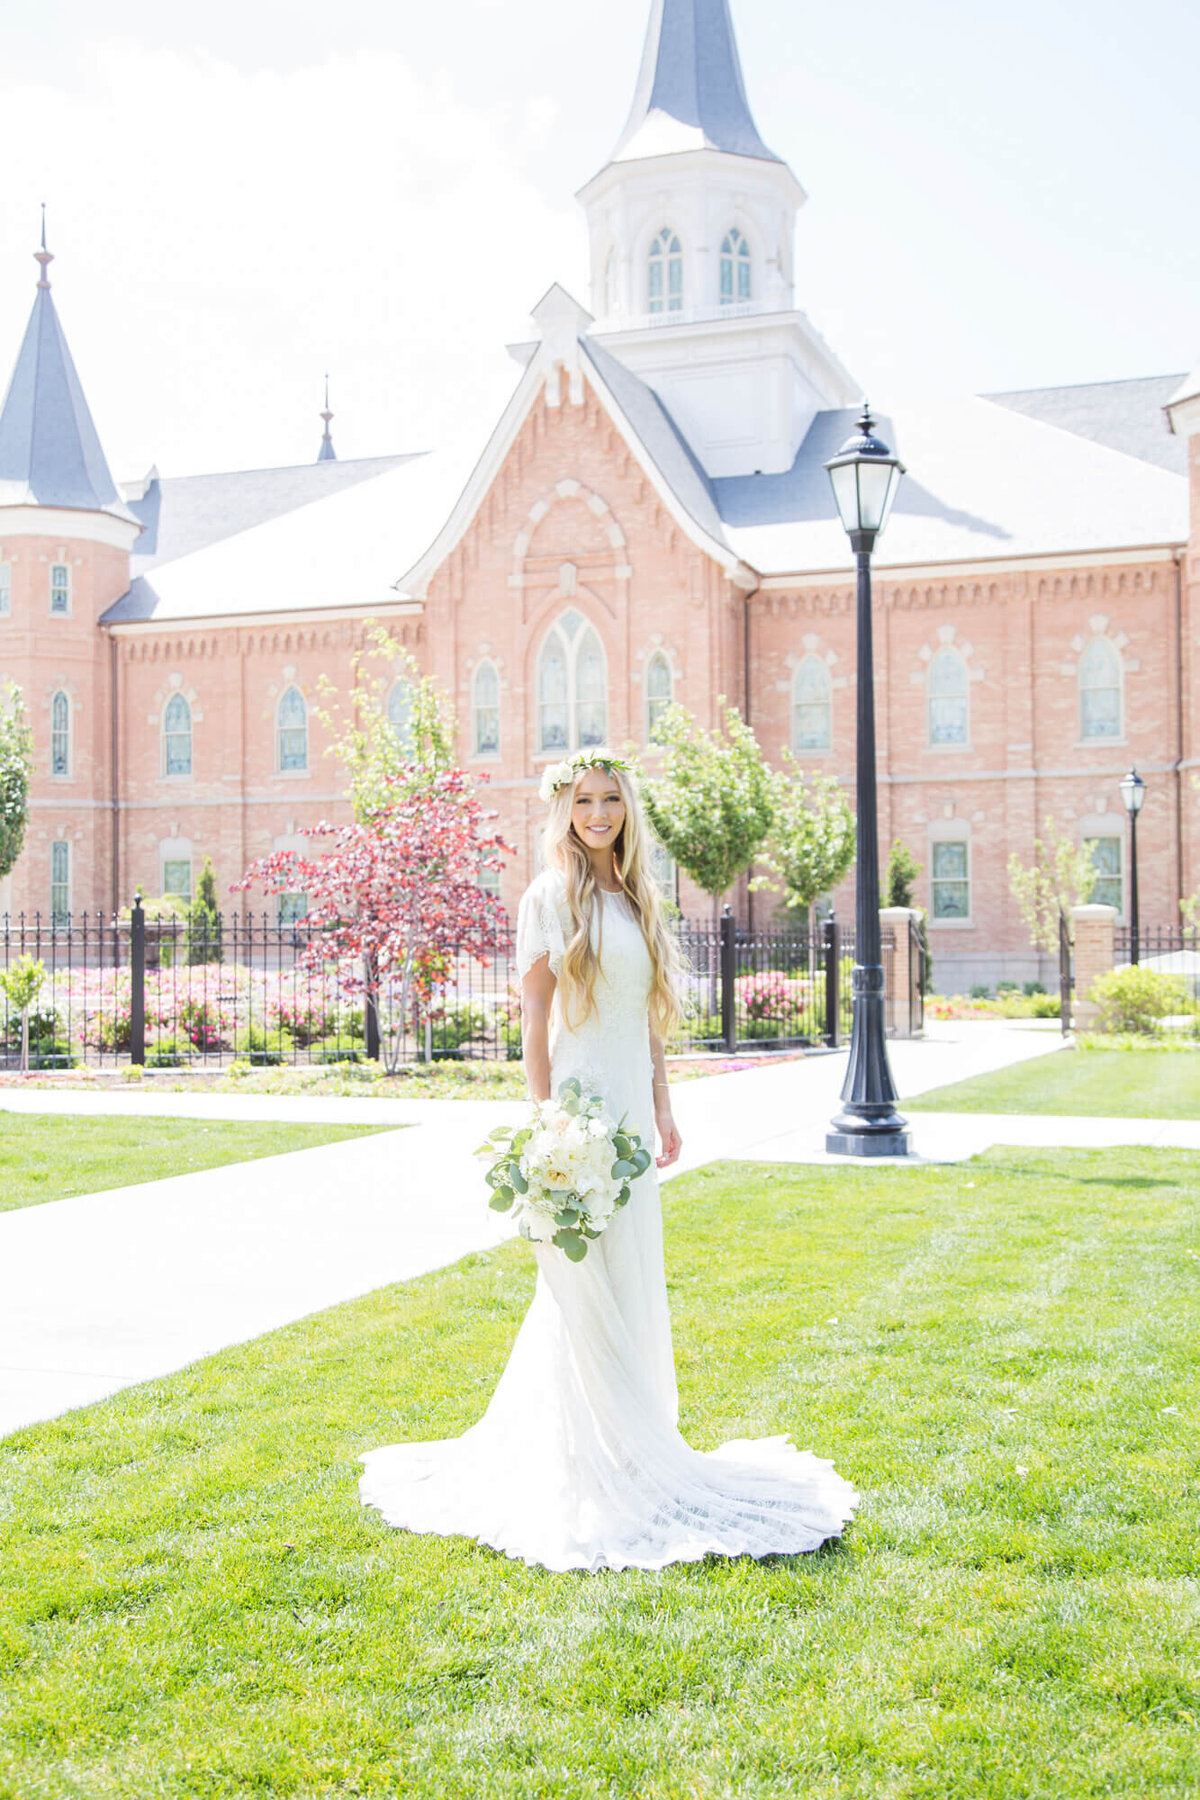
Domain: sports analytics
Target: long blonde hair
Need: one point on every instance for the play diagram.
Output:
(562, 850)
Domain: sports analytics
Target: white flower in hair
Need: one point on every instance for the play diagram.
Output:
(554, 776)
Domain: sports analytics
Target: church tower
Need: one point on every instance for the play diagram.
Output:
(691, 224)
(65, 538)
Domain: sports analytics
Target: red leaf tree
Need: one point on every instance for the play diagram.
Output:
(398, 895)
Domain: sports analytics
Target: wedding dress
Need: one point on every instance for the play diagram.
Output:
(577, 1462)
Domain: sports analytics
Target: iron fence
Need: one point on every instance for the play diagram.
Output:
(1167, 949)
(185, 992)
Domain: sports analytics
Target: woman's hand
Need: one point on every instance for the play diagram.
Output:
(669, 1136)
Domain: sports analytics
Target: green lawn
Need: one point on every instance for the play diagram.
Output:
(48, 1158)
(1124, 1084)
(1002, 1356)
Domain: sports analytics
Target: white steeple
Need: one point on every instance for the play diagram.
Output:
(691, 224)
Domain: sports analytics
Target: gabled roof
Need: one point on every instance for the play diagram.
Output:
(1126, 415)
(690, 94)
(50, 452)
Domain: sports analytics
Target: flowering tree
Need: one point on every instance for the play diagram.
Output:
(712, 805)
(397, 896)
(1061, 876)
(21, 984)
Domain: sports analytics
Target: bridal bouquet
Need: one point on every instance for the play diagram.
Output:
(567, 1172)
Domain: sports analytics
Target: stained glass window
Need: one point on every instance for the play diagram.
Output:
(735, 268)
(60, 588)
(948, 698)
(1106, 860)
(291, 722)
(811, 707)
(485, 707)
(60, 735)
(572, 686)
(177, 736)
(60, 881)
(1099, 691)
(664, 289)
(951, 885)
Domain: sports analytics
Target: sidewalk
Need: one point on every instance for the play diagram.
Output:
(105, 1290)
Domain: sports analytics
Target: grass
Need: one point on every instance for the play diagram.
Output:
(1123, 1084)
(1002, 1356)
(49, 1158)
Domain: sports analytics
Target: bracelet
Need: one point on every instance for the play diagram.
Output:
(662, 1084)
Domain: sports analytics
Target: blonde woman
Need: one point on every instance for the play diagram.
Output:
(578, 1462)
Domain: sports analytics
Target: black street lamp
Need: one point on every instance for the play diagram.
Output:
(865, 476)
(1133, 792)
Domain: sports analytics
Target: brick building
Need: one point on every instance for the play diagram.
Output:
(648, 520)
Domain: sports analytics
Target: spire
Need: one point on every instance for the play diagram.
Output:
(327, 453)
(690, 94)
(50, 453)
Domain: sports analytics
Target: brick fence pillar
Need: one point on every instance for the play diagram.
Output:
(1094, 956)
(897, 1008)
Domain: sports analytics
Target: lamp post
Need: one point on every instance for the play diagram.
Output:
(865, 476)
(1133, 792)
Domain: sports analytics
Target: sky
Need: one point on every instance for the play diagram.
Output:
(243, 195)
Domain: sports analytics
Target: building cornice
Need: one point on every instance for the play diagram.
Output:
(24, 520)
(966, 571)
(401, 608)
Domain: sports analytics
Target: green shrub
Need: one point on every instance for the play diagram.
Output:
(172, 1051)
(981, 991)
(1033, 987)
(1135, 998)
(1045, 1006)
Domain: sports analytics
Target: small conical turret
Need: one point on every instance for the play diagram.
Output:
(327, 453)
(50, 452)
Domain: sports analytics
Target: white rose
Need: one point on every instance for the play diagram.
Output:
(554, 776)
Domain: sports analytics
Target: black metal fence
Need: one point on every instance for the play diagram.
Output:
(1167, 949)
(175, 993)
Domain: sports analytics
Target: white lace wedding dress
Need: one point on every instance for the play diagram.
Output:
(577, 1462)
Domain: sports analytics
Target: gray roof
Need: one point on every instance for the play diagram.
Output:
(691, 74)
(1126, 415)
(657, 431)
(50, 453)
(186, 513)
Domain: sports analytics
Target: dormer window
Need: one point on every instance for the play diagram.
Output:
(665, 274)
(60, 588)
(735, 268)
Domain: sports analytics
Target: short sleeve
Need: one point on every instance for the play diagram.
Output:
(539, 928)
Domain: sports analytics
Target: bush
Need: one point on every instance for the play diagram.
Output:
(981, 991)
(1031, 988)
(46, 1034)
(456, 1022)
(1045, 1006)
(773, 998)
(1006, 987)
(200, 1021)
(1135, 998)
(171, 1051)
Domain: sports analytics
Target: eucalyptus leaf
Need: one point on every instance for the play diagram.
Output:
(516, 1177)
(567, 1215)
(571, 1244)
(502, 1199)
(620, 1170)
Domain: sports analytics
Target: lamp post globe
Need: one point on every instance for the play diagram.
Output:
(865, 476)
(1133, 793)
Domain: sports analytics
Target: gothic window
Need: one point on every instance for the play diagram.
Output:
(1106, 861)
(735, 268)
(1099, 691)
(291, 730)
(60, 734)
(5, 590)
(951, 880)
(60, 588)
(60, 882)
(292, 907)
(177, 737)
(665, 273)
(658, 691)
(572, 686)
(485, 710)
(947, 698)
(811, 706)
(399, 712)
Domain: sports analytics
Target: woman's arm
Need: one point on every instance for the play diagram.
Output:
(664, 1118)
(537, 996)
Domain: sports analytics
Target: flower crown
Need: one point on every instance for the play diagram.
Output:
(558, 775)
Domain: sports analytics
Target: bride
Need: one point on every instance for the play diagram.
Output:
(577, 1462)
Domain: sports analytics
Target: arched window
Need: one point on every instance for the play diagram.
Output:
(60, 882)
(1099, 691)
(485, 710)
(658, 691)
(60, 588)
(735, 268)
(399, 712)
(177, 737)
(664, 286)
(291, 730)
(572, 685)
(811, 706)
(60, 734)
(947, 698)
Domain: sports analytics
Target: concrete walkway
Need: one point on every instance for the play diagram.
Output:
(105, 1290)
